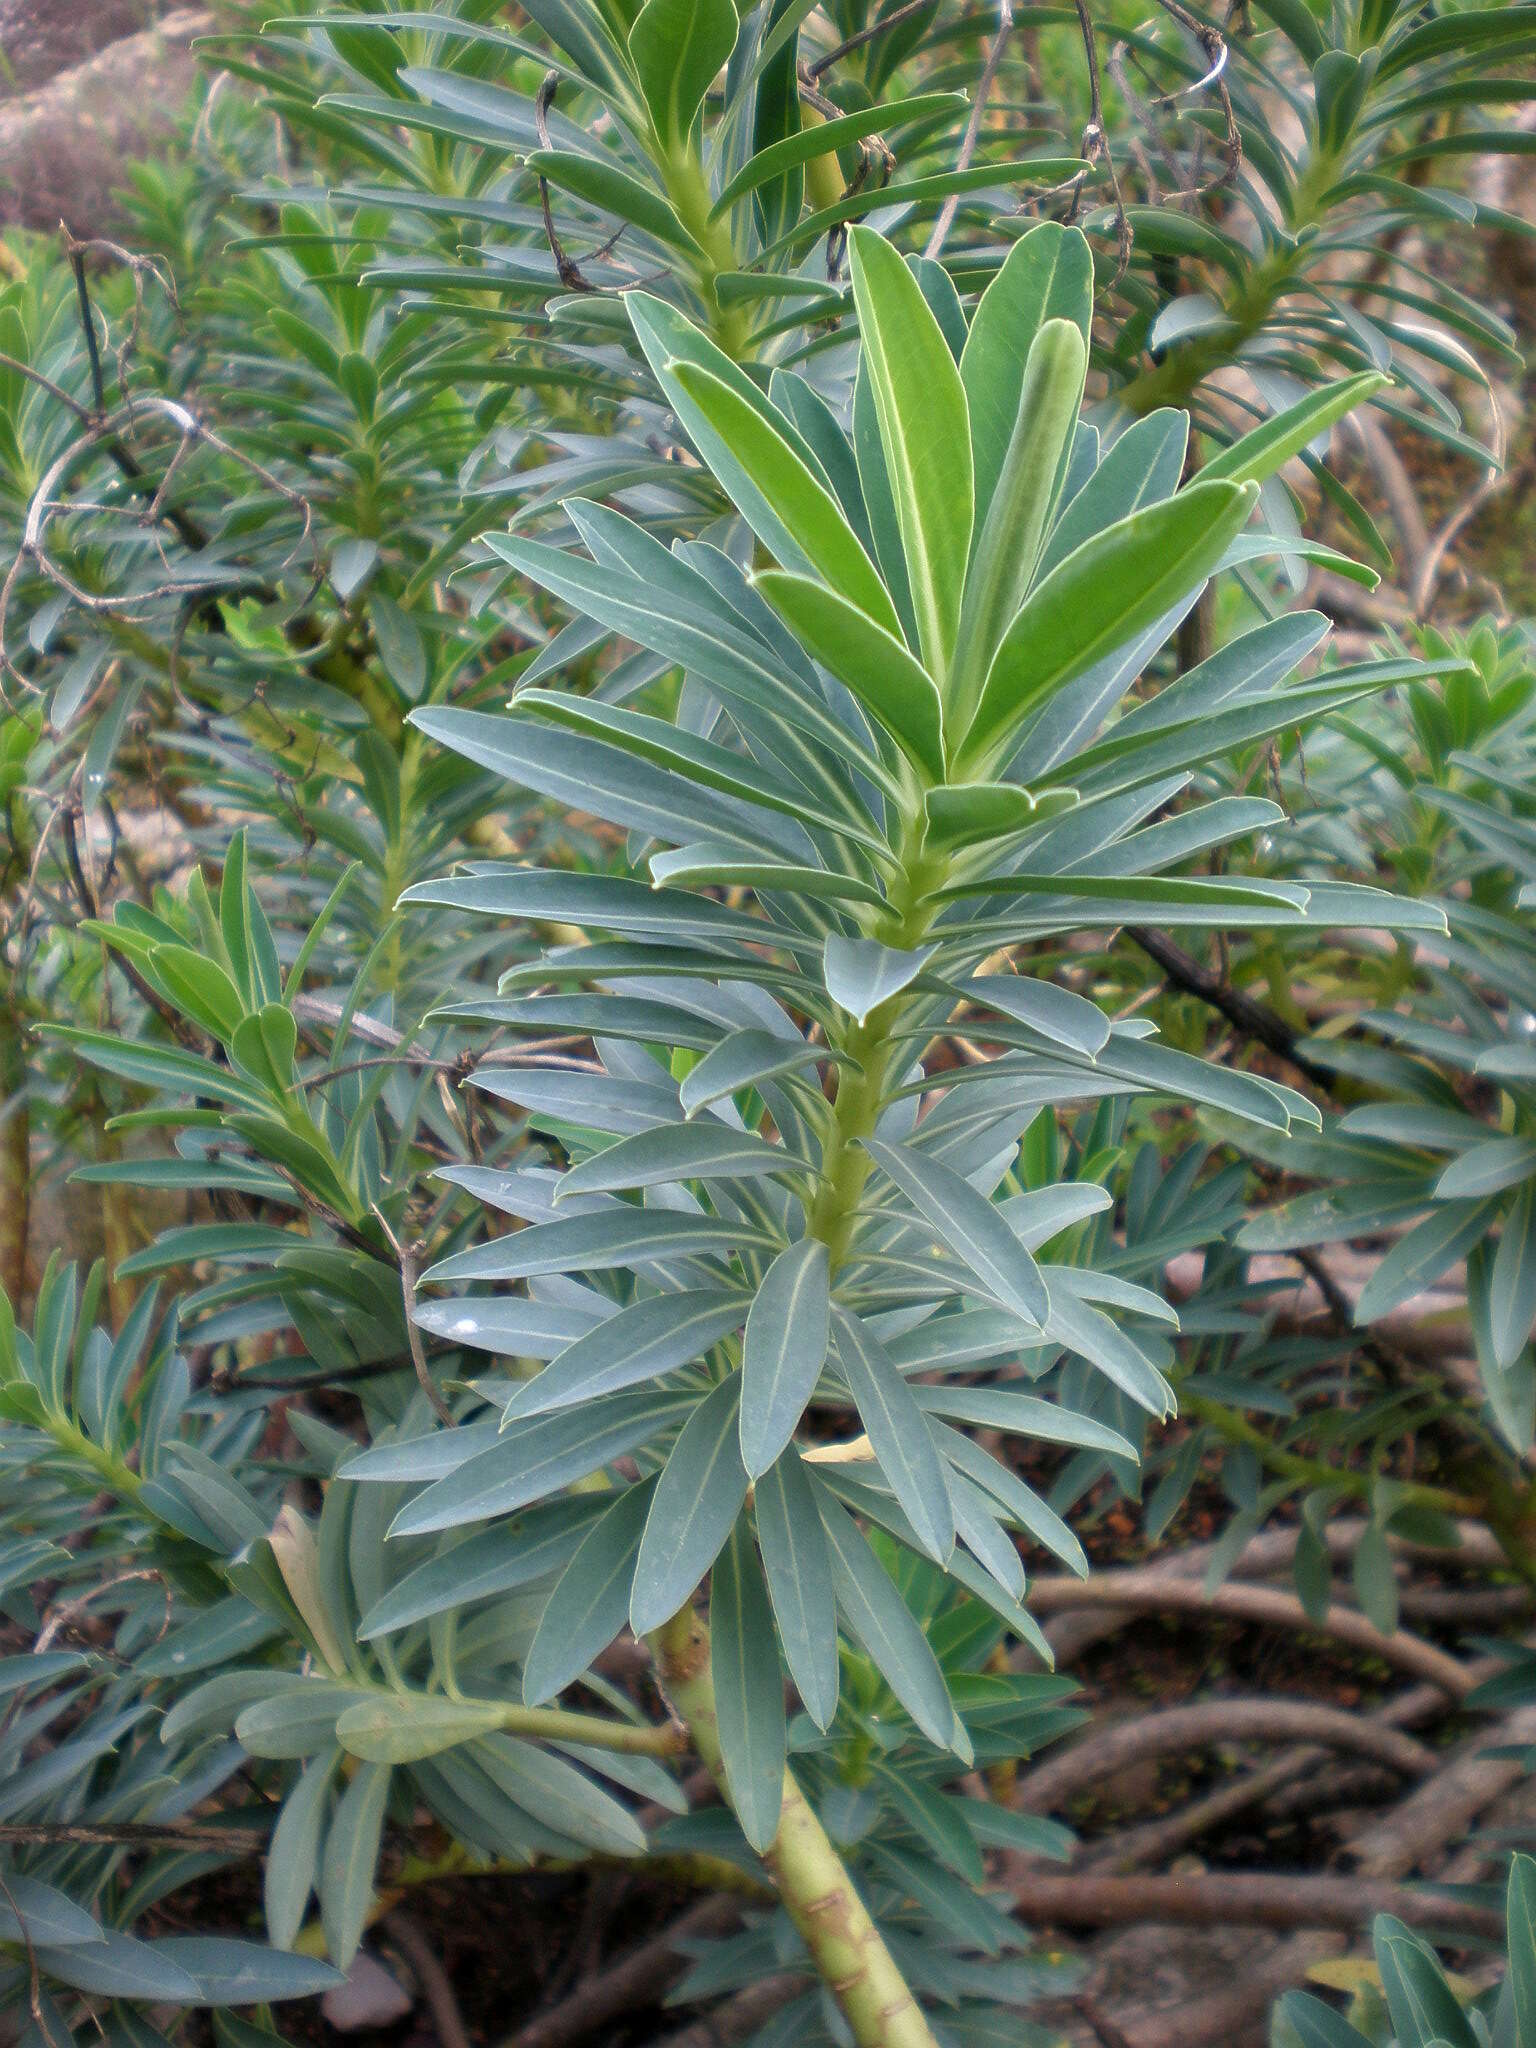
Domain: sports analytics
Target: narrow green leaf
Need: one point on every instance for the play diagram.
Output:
(648, 1338)
(293, 1857)
(1425, 2011)
(802, 505)
(799, 1569)
(743, 1060)
(351, 1854)
(898, 1433)
(936, 1818)
(497, 1560)
(1314, 2024)
(1512, 1287)
(536, 1457)
(925, 432)
(616, 192)
(589, 1603)
(970, 1225)
(831, 135)
(232, 1972)
(199, 987)
(117, 1966)
(861, 974)
(1270, 446)
(887, 1628)
(784, 1350)
(1418, 1259)
(698, 1497)
(896, 691)
(401, 1728)
(1008, 547)
(1047, 275)
(749, 1688)
(1520, 1907)
(1107, 591)
(678, 1152)
(559, 1796)
(677, 47)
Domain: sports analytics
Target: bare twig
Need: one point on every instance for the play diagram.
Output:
(67, 1611)
(1214, 44)
(740, 2016)
(1254, 1019)
(405, 1257)
(1095, 147)
(867, 35)
(1241, 1898)
(639, 1979)
(1260, 1604)
(1495, 478)
(1212, 1723)
(129, 1834)
(972, 136)
(435, 1984)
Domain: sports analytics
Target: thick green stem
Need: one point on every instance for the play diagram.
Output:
(871, 1047)
(813, 1884)
(625, 1738)
(688, 190)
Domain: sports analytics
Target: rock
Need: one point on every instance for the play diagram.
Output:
(64, 145)
(371, 1997)
(40, 38)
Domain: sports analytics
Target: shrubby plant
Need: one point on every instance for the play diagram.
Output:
(905, 771)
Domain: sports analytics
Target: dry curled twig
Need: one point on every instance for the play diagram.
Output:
(45, 507)
(972, 136)
(405, 1258)
(1095, 148)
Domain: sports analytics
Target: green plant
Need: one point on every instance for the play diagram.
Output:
(849, 1129)
(1409, 2001)
(903, 769)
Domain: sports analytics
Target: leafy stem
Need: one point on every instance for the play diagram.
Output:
(862, 1081)
(1237, 1429)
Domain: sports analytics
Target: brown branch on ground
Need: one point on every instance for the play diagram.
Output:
(1175, 1731)
(1072, 1633)
(1260, 1604)
(130, 1834)
(1278, 1786)
(740, 2016)
(639, 1979)
(1393, 1846)
(436, 1987)
(1241, 1898)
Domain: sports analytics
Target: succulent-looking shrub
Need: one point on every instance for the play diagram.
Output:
(894, 763)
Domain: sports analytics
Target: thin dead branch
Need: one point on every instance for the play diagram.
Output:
(1258, 1604)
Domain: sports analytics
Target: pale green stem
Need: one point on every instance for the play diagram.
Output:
(812, 1881)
